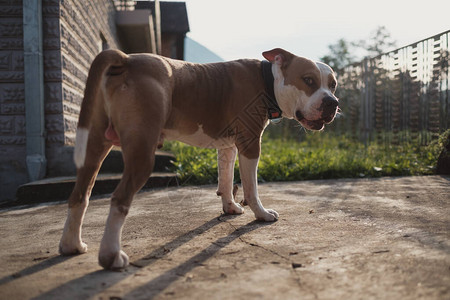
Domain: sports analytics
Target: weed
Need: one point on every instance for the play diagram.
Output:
(319, 155)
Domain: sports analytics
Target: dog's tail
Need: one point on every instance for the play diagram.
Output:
(108, 61)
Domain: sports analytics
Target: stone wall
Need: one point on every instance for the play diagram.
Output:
(74, 32)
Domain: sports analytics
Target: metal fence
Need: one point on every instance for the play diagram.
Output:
(399, 96)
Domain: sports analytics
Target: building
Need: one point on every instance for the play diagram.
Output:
(174, 25)
(46, 49)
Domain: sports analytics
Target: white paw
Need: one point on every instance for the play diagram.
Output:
(267, 215)
(233, 209)
(70, 248)
(114, 261)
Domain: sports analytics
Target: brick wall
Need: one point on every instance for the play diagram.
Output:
(12, 98)
(74, 32)
(85, 27)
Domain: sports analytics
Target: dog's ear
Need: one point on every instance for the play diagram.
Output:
(279, 56)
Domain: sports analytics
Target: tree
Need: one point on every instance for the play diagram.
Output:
(343, 52)
(340, 55)
(379, 42)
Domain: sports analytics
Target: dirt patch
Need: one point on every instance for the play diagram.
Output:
(336, 239)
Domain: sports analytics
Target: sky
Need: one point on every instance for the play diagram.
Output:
(245, 28)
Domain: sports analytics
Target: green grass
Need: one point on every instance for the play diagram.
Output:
(320, 155)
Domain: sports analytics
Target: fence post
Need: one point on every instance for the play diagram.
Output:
(365, 103)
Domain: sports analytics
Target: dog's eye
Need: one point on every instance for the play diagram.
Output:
(333, 86)
(308, 80)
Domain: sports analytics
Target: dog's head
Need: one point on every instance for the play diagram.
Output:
(303, 89)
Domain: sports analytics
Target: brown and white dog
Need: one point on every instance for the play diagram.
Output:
(136, 101)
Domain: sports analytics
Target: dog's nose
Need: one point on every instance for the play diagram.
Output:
(330, 103)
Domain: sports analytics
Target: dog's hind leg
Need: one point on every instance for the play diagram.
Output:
(71, 242)
(139, 156)
(225, 160)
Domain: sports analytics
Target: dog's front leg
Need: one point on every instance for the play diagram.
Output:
(248, 169)
(225, 160)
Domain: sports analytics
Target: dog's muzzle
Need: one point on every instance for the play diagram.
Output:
(328, 109)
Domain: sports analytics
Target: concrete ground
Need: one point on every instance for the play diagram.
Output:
(386, 238)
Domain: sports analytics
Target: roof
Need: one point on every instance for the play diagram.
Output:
(174, 18)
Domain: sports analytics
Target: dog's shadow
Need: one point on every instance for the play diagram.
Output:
(93, 283)
(44, 264)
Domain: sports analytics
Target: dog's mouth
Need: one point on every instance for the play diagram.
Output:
(313, 124)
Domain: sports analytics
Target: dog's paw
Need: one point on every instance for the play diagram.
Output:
(66, 248)
(267, 215)
(233, 209)
(114, 261)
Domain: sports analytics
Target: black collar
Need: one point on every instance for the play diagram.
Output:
(273, 110)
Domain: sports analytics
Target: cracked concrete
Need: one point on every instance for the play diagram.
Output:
(381, 238)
